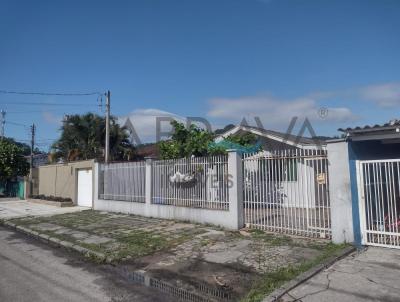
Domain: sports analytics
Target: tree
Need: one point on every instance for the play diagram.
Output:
(12, 161)
(26, 149)
(245, 139)
(195, 141)
(83, 137)
(186, 142)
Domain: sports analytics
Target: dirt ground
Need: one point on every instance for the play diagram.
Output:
(189, 261)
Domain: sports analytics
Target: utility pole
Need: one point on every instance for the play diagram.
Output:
(107, 149)
(33, 130)
(2, 123)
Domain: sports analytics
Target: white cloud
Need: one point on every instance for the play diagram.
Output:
(276, 113)
(145, 120)
(50, 118)
(384, 95)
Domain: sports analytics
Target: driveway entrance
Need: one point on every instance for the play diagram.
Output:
(21, 208)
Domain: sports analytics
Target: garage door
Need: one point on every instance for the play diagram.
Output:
(85, 188)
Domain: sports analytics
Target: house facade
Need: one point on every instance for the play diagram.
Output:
(365, 185)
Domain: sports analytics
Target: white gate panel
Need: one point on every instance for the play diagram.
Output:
(85, 188)
(379, 191)
(287, 192)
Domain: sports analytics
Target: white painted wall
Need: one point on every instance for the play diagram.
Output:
(340, 192)
(231, 219)
(300, 193)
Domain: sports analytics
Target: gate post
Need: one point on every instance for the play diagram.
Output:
(235, 185)
(148, 184)
(361, 200)
(340, 192)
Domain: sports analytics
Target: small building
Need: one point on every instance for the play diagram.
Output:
(40, 159)
(73, 180)
(365, 184)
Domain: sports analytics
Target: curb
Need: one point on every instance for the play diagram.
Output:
(55, 241)
(288, 286)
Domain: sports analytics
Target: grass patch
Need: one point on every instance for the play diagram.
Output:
(272, 280)
(272, 239)
(125, 239)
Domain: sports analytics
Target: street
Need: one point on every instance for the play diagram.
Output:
(31, 271)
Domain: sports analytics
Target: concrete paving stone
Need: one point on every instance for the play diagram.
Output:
(22, 208)
(93, 239)
(64, 231)
(79, 235)
(372, 275)
(46, 226)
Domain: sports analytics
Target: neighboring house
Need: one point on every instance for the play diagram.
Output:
(40, 159)
(274, 140)
(72, 180)
(297, 171)
(367, 198)
(148, 150)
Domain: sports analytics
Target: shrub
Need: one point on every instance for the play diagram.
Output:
(51, 198)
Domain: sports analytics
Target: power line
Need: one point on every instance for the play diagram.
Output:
(49, 93)
(47, 104)
(38, 111)
(16, 124)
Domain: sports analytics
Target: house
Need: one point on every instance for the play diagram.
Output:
(39, 159)
(150, 150)
(298, 158)
(274, 140)
(365, 184)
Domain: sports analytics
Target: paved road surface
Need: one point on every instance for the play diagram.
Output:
(21, 208)
(373, 275)
(30, 271)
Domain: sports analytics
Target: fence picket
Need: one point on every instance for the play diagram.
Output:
(287, 191)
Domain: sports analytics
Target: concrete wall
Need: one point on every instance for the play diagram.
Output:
(60, 180)
(340, 192)
(231, 219)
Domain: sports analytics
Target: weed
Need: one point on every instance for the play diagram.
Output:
(272, 280)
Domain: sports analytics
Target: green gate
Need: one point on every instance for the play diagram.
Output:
(12, 189)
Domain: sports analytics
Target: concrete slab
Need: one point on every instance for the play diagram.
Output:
(22, 208)
(372, 275)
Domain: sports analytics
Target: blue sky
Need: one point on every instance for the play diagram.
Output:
(220, 59)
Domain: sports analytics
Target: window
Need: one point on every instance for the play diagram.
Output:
(291, 170)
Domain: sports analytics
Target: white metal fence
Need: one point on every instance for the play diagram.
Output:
(201, 182)
(123, 181)
(379, 188)
(287, 192)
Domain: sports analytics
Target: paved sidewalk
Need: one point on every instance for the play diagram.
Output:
(372, 275)
(22, 208)
(186, 259)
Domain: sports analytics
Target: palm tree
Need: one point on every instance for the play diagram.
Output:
(83, 137)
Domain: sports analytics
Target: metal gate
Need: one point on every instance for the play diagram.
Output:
(379, 191)
(287, 192)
